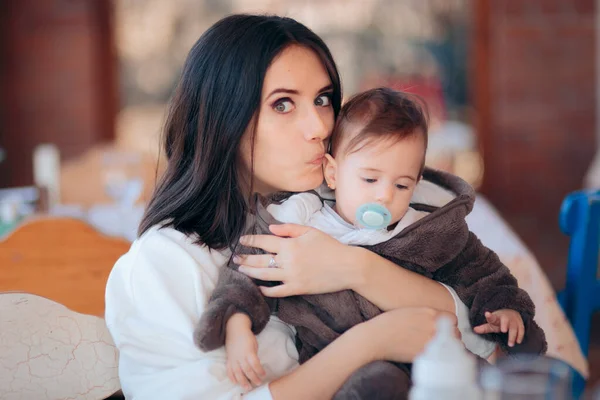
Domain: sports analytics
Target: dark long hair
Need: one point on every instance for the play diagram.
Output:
(213, 105)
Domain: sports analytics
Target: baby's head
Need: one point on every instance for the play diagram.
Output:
(377, 152)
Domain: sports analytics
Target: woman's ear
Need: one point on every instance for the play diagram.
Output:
(329, 170)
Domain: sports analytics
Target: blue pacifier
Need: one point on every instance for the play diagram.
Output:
(373, 216)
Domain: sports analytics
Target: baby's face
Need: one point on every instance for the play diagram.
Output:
(383, 171)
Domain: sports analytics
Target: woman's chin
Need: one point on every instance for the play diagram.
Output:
(305, 183)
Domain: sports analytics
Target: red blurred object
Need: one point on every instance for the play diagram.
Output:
(428, 88)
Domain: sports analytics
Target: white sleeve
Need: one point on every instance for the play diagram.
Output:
(154, 297)
(297, 209)
(473, 342)
(261, 393)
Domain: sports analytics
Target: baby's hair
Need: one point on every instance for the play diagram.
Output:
(375, 114)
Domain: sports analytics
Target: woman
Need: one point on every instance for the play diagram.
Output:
(252, 113)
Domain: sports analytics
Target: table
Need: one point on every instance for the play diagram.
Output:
(484, 221)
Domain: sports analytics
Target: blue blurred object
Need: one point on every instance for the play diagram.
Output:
(5, 228)
(373, 216)
(580, 219)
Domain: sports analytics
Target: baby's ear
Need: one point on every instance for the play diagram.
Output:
(330, 170)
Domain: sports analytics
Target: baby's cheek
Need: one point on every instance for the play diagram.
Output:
(347, 204)
(350, 212)
(399, 213)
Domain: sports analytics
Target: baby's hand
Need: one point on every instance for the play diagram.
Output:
(504, 321)
(243, 364)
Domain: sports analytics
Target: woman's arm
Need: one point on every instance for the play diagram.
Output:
(389, 287)
(397, 335)
(312, 262)
(154, 298)
(340, 359)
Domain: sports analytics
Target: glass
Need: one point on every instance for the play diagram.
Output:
(595, 393)
(122, 177)
(527, 377)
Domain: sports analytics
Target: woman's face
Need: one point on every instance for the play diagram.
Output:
(295, 119)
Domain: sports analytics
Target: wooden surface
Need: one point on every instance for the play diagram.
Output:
(62, 259)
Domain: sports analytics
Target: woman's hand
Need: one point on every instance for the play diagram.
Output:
(397, 335)
(400, 335)
(308, 261)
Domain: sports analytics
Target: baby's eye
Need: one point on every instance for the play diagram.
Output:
(402, 187)
(370, 180)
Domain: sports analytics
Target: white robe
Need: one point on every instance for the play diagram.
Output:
(155, 296)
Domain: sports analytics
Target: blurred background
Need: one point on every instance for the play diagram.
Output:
(511, 86)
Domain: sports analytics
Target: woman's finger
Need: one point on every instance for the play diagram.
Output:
(457, 333)
(263, 274)
(289, 230)
(512, 334)
(283, 290)
(253, 260)
(521, 334)
(448, 315)
(269, 243)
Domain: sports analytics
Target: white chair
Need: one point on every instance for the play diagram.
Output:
(48, 352)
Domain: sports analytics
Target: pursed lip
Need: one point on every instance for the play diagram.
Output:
(318, 160)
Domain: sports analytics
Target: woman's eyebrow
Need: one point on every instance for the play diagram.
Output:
(326, 88)
(283, 90)
(294, 91)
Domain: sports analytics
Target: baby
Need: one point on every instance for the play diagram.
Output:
(388, 202)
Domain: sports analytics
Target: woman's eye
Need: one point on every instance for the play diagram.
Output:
(369, 180)
(283, 106)
(323, 100)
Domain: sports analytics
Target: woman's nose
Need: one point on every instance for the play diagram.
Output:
(317, 127)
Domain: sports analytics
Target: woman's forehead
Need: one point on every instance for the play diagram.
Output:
(297, 69)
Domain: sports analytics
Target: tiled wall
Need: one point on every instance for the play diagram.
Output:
(57, 81)
(535, 95)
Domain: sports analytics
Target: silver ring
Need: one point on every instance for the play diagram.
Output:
(272, 262)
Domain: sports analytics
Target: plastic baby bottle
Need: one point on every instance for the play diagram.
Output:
(445, 370)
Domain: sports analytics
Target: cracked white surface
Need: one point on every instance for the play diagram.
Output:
(50, 352)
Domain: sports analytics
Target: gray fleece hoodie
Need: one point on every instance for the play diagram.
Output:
(439, 246)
